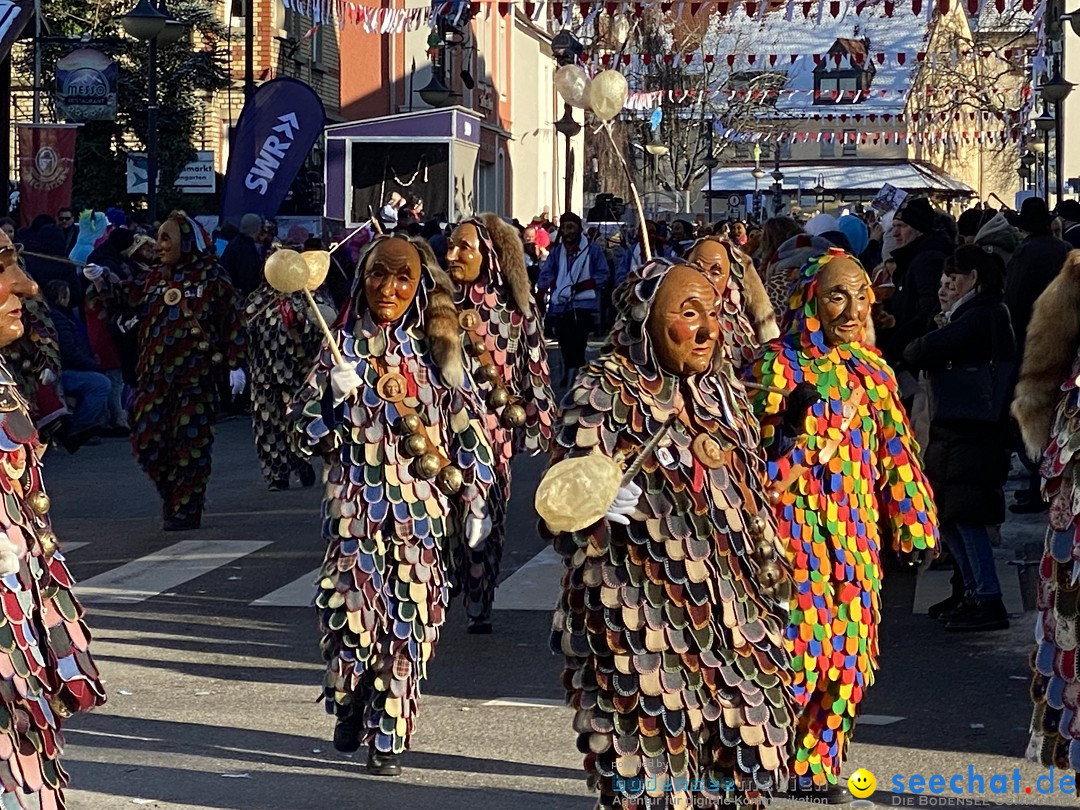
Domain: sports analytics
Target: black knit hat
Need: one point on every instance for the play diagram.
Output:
(918, 214)
(1068, 210)
(971, 220)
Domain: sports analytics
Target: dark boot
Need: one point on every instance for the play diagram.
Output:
(965, 606)
(182, 523)
(279, 484)
(983, 616)
(347, 732)
(380, 764)
(307, 475)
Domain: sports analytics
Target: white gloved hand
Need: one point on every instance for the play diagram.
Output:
(344, 381)
(477, 529)
(625, 502)
(237, 380)
(47, 376)
(93, 272)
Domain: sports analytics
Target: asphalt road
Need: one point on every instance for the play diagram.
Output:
(213, 671)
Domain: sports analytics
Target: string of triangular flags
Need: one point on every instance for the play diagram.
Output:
(985, 137)
(648, 99)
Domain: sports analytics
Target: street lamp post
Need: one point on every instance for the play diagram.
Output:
(710, 163)
(1055, 91)
(819, 192)
(1045, 124)
(778, 185)
(569, 127)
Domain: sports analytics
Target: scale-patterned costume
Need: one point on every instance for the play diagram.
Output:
(675, 661)
(188, 332)
(36, 352)
(46, 670)
(283, 341)
(833, 516)
(747, 321)
(512, 334)
(390, 534)
(1047, 407)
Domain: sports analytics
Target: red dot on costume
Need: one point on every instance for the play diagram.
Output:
(1027, 790)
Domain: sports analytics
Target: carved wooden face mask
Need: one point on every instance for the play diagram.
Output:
(15, 285)
(391, 276)
(682, 325)
(463, 258)
(169, 248)
(843, 301)
(713, 260)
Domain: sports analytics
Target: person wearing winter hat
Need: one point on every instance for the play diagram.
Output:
(970, 221)
(820, 223)
(1068, 211)
(785, 265)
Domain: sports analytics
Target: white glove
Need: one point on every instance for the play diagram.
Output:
(344, 381)
(9, 558)
(93, 272)
(47, 376)
(477, 529)
(237, 380)
(625, 502)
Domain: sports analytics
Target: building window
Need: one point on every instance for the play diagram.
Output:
(236, 8)
(827, 90)
(318, 44)
(851, 143)
(742, 151)
(828, 148)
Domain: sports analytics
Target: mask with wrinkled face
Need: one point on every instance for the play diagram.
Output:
(391, 277)
(682, 325)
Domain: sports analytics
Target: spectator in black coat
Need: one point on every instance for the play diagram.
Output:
(65, 217)
(967, 461)
(1068, 211)
(242, 259)
(920, 253)
(1034, 265)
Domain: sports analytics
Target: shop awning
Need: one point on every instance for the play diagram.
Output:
(848, 177)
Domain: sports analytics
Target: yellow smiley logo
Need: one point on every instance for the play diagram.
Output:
(861, 784)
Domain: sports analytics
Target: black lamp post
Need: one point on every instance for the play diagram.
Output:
(569, 127)
(1045, 123)
(1027, 165)
(145, 22)
(778, 185)
(710, 163)
(819, 192)
(1055, 92)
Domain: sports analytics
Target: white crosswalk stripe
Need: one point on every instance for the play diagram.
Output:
(297, 593)
(534, 586)
(153, 574)
(66, 548)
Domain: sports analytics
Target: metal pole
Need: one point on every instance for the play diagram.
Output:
(568, 192)
(249, 48)
(709, 169)
(1059, 150)
(151, 134)
(1046, 167)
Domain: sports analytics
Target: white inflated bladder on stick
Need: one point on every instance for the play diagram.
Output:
(607, 94)
(573, 85)
(289, 272)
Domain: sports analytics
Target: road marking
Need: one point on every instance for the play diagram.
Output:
(877, 719)
(535, 586)
(297, 593)
(529, 703)
(935, 586)
(148, 576)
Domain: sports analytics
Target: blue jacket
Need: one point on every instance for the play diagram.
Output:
(581, 293)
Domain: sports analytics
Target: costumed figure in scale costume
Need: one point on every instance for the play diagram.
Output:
(188, 327)
(46, 671)
(674, 602)
(283, 342)
(747, 320)
(845, 468)
(504, 343)
(1047, 408)
(34, 360)
(409, 473)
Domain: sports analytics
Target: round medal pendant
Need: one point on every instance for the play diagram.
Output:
(172, 296)
(709, 452)
(391, 387)
(469, 319)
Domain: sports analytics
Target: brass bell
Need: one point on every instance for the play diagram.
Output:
(58, 707)
(411, 423)
(47, 540)
(449, 480)
(513, 416)
(38, 502)
(416, 445)
(769, 575)
(774, 495)
(428, 466)
(764, 550)
(217, 358)
(487, 373)
(497, 398)
(475, 348)
(757, 526)
(203, 346)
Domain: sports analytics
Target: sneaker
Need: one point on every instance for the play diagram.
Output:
(279, 485)
(982, 617)
(945, 606)
(380, 764)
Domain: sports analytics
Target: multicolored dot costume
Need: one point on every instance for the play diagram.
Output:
(833, 515)
(188, 333)
(283, 341)
(46, 670)
(675, 662)
(511, 333)
(390, 532)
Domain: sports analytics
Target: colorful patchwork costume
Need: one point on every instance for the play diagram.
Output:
(283, 341)
(833, 515)
(672, 627)
(389, 524)
(46, 670)
(34, 360)
(500, 327)
(188, 332)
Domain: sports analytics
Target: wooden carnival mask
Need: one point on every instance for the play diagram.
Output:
(15, 285)
(463, 257)
(169, 243)
(843, 300)
(391, 276)
(713, 259)
(682, 325)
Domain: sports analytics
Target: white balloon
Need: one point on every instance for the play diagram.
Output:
(607, 94)
(573, 85)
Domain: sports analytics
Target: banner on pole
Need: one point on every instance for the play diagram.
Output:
(46, 168)
(86, 86)
(279, 124)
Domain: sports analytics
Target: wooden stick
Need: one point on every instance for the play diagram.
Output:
(646, 248)
(334, 350)
(766, 388)
(62, 259)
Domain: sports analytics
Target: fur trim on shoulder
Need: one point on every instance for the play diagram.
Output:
(511, 256)
(441, 320)
(1049, 351)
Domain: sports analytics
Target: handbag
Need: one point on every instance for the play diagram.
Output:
(972, 392)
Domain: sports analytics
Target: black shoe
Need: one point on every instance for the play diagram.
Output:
(1032, 507)
(347, 732)
(279, 485)
(983, 616)
(72, 440)
(819, 794)
(380, 764)
(116, 432)
(481, 627)
(936, 610)
(177, 523)
(306, 475)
